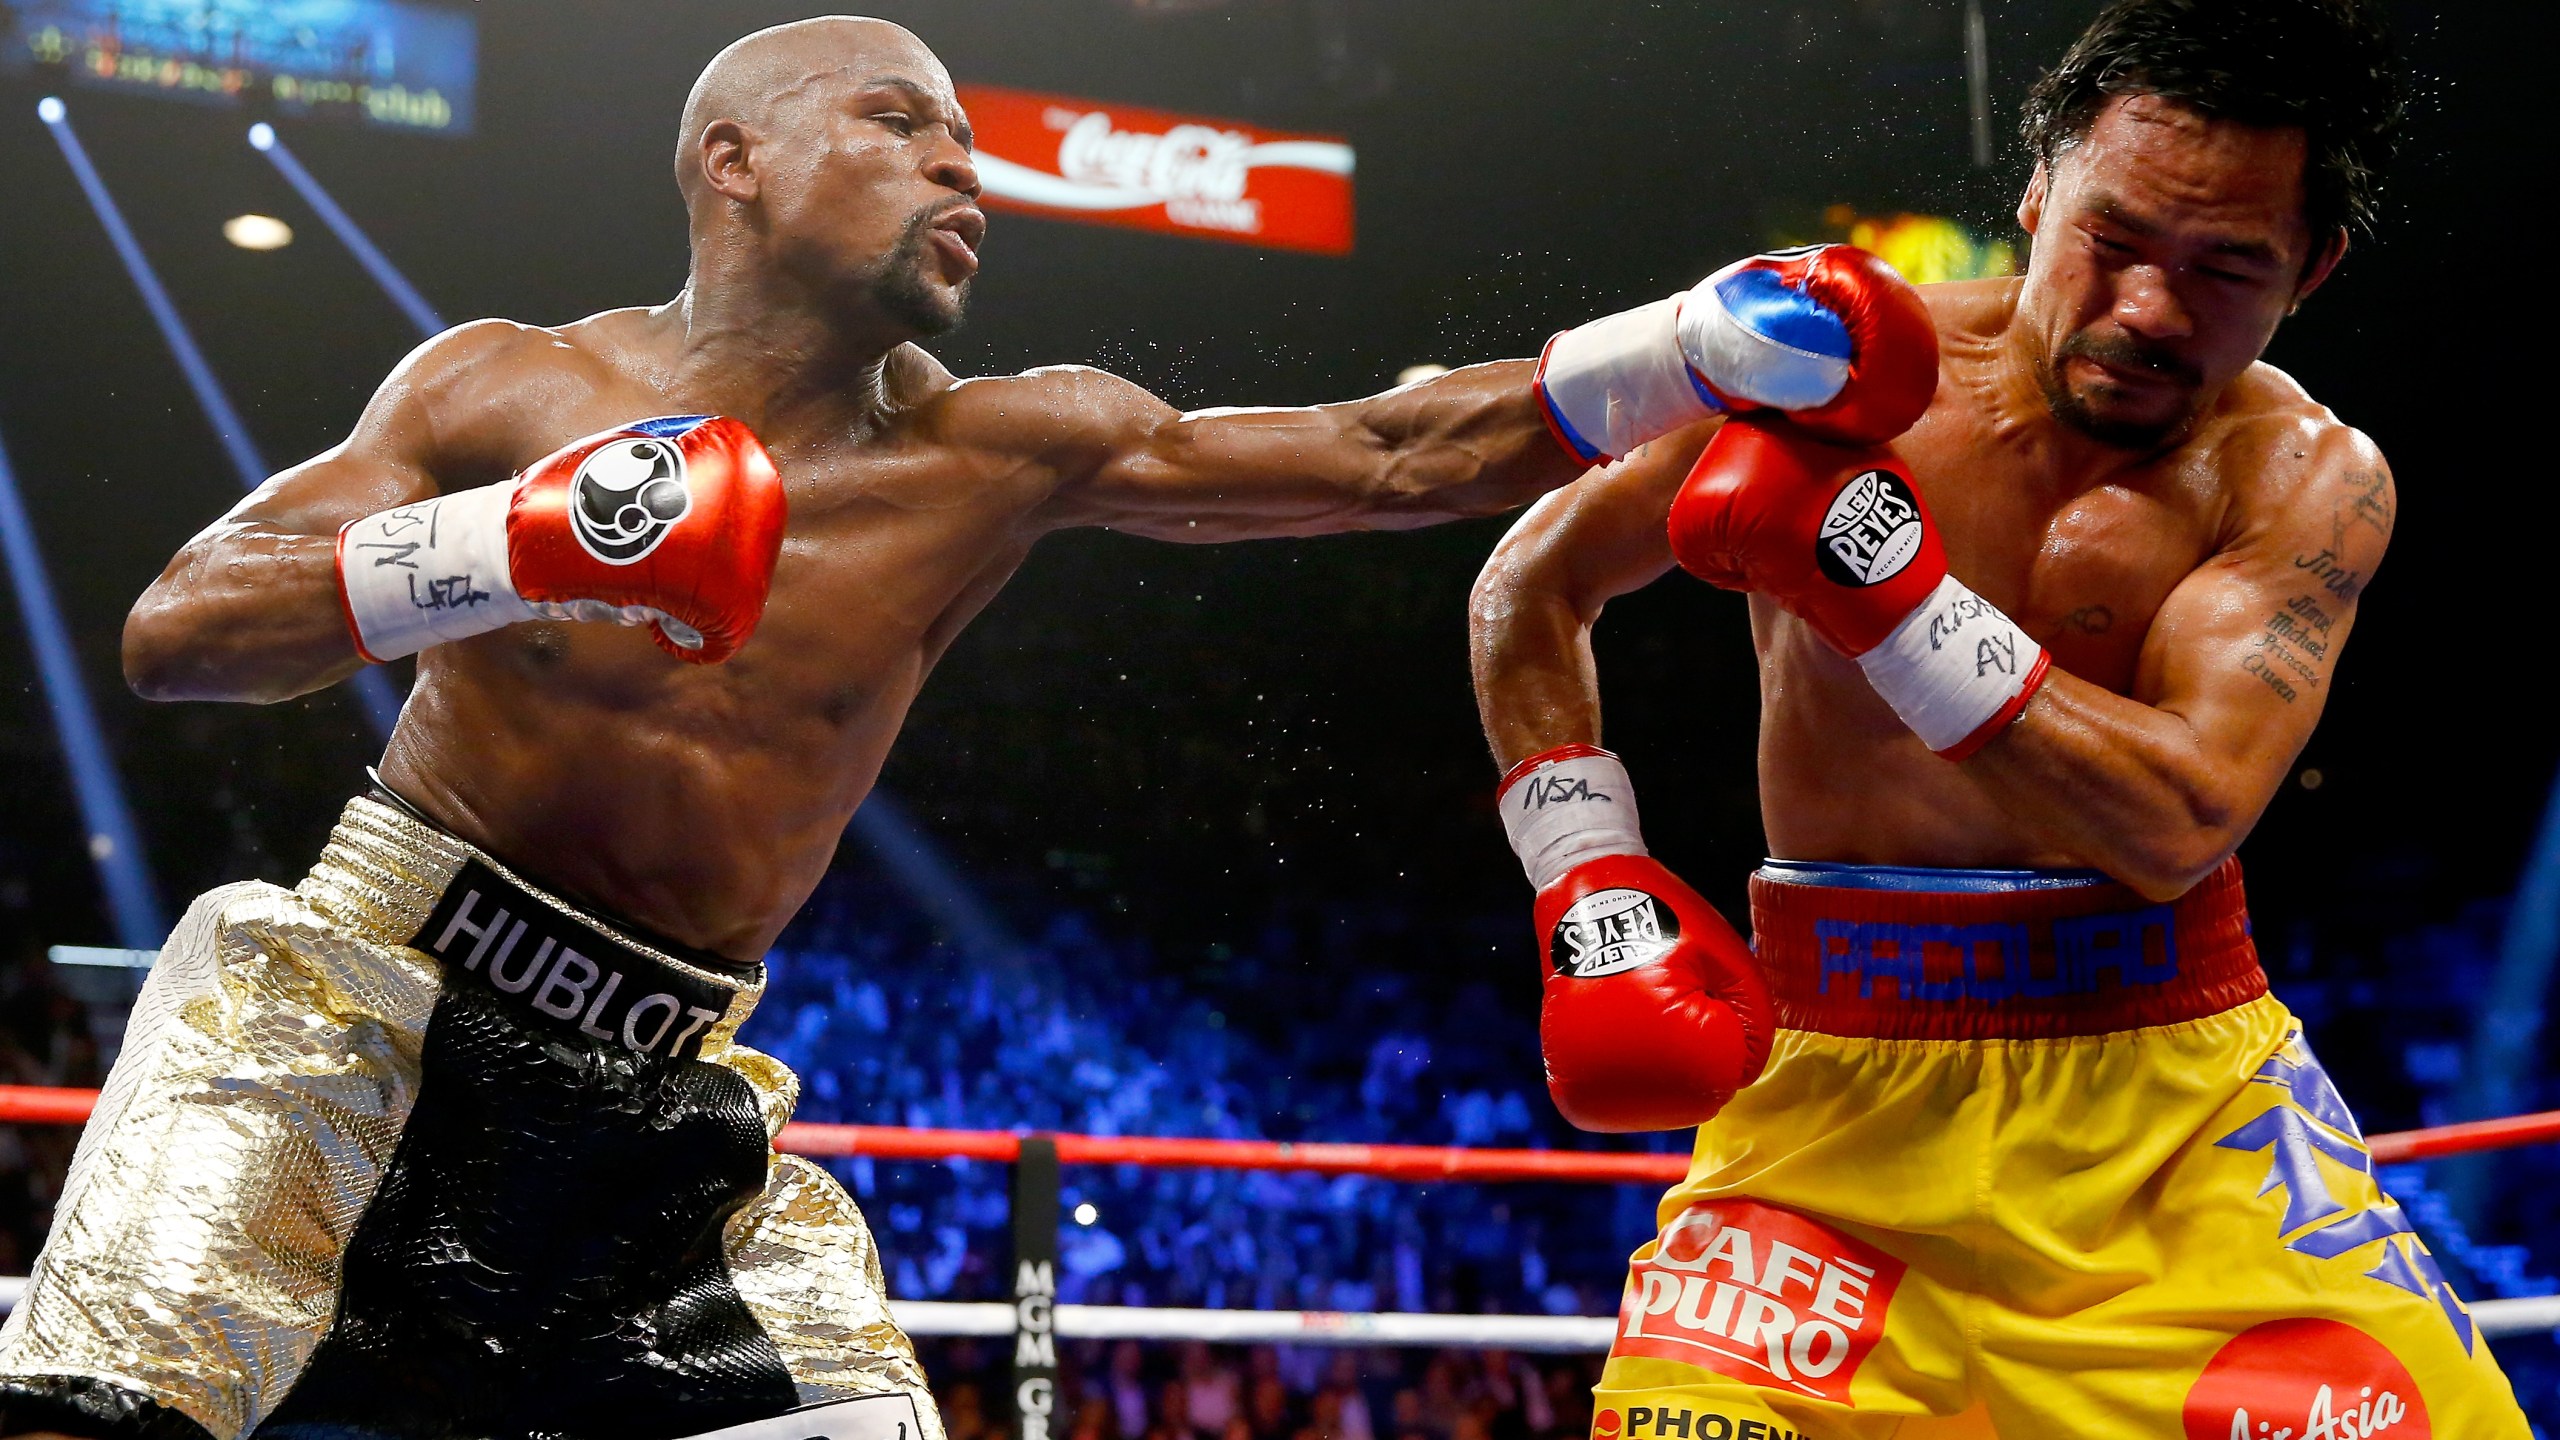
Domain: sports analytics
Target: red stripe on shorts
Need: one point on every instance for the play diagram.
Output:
(1942, 965)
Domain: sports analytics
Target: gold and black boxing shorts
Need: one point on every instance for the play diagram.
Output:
(415, 1149)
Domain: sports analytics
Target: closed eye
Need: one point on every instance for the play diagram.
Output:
(897, 120)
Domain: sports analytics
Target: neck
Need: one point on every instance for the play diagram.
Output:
(758, 348)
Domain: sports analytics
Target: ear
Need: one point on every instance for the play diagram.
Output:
(2031, 204)
(2323, 264)
(727, 151)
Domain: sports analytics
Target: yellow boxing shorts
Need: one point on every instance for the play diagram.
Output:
(2034, 1158)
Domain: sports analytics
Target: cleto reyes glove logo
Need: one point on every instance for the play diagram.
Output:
(1607, 931)
(626, 497)
(1871, 530)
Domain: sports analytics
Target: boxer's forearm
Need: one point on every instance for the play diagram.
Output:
(1470, 442)
(2128, 788)
(1537, 686)
(245, 613)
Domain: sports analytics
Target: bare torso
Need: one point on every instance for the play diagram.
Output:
(702, 802)
(705, 801)
(2082, 558)
(2211, 583)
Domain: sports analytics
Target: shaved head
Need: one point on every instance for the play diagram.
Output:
(832, 156)
(764, 80)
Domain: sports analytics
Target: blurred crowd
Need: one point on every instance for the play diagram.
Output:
(1339, 1028)
(1328, 1024)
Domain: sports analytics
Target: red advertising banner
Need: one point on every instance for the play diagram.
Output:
(1109, 164)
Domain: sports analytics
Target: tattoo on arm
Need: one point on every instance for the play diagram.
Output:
(2291, 653)
(2091, 619)
(2367, 502)
(2332, 575)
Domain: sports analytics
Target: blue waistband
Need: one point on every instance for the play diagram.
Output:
(1918, 878)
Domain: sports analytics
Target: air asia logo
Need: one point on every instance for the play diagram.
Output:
(2305, 1380)
(1871, 530)
(626, 498)
(1761, 1294)
(1607, 931)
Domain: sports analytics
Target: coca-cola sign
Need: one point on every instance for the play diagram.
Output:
(1144, 169)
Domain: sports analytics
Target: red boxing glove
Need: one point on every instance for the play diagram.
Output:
(673, 523)
(1892, 369)
(1829, 334)
(1654, 1010)
(1839, 536)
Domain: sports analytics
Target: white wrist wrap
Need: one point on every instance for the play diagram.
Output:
(1619, 381)
(419, 575)
(1567, 811)
(1955, 670)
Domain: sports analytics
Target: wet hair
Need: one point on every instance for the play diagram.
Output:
(2323, 66)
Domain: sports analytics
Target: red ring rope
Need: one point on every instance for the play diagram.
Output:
(36, 1105)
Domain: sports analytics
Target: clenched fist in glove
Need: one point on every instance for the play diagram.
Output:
(1829, 334)
(673, 523)
(1837, 534)
(1654, 1011)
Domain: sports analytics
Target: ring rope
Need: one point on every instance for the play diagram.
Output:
(1543, 1334)
(40, 1105)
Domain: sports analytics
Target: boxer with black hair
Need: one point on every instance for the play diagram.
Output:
(2001, 1128)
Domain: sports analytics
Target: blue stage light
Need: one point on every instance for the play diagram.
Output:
(381, 704)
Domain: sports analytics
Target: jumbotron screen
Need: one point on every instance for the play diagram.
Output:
(400, 66)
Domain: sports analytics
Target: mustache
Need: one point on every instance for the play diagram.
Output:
(2127, 353)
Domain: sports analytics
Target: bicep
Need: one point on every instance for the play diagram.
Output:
(438, 422)
(2245, 650)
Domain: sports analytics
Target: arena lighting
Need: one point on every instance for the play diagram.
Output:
(115, 848)
(257, 232)
(373, 690)
(1086, 1214)
(1413, 374)
(422, 316)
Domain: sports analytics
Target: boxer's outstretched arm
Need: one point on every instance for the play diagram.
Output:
(2157, 789)
(1470, 442)
(1542, 589)
(249, 609)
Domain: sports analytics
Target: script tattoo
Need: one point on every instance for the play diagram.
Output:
(2291, 652)
(2333, 576)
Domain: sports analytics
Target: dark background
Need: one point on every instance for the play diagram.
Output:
(1159, 725)
(1190, 743)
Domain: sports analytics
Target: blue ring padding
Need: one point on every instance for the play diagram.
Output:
(1762, 302)
(1917, 878)
(1583, 450)
(666, 427)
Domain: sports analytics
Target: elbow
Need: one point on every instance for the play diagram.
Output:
(2169, 862)
(151, 659)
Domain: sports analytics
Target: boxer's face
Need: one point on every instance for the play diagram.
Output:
(869, 190)
(2168, 247)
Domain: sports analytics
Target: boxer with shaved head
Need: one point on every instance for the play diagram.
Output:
(455, 1138)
